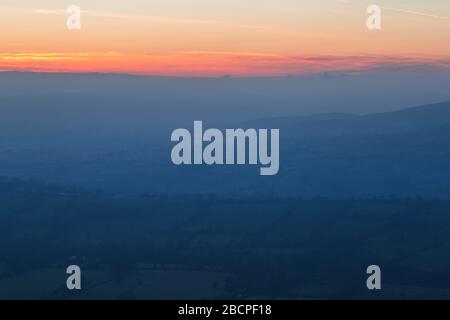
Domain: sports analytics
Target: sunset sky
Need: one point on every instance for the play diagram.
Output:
(219, 37)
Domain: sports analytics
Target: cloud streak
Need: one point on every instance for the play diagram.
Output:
(127, 16)
(208, 64)
(269, 29)
(406, 11)
(417, 13)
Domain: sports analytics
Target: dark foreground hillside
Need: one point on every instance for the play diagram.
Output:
(154, 246)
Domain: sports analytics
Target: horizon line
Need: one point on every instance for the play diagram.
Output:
(213, 65)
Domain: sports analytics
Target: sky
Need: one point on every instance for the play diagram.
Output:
(222, 37)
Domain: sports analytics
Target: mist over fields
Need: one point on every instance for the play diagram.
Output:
(340, 135)
(371, 91)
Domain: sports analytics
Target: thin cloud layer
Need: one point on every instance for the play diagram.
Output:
(209, 63)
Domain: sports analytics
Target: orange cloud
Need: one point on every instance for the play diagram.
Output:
(207, 63)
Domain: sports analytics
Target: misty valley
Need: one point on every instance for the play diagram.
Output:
(87, 179)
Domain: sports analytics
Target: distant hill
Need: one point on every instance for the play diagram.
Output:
(404, 152)
(433, 116)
